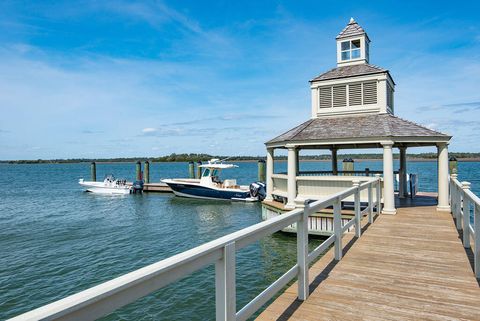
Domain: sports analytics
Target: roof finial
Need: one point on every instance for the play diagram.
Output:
(351, 20)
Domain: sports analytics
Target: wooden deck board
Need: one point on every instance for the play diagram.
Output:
(410, 266)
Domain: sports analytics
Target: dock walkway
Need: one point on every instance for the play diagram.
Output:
(408, 266)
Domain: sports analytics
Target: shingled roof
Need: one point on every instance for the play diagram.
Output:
(350, 71)
(352, 29)
(365, 126)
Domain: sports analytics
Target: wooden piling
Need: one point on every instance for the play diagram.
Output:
(199, 169)
(261, 171)
(147, 172)
(191, 170)
(453, 165)
(93, 171)
(138, 171)
(348, 166)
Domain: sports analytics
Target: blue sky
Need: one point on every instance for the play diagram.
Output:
(117, 78)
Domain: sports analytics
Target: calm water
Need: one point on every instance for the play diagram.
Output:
(56, 240)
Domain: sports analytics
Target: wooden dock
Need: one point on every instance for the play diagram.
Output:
(409, 266)
(155, 187)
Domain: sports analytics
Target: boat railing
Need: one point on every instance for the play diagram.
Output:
(104, 298)
(465, 208)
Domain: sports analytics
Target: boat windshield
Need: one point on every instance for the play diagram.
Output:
(208, 172)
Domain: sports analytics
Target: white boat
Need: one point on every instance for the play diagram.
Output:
(110, 185)
(209, 186)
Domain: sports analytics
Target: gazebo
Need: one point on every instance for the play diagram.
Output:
(352, 108)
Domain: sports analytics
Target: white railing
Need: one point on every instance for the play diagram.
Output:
(463, 203)
(308, 187)
(109, 296)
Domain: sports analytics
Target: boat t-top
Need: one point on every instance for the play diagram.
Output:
(209, 186)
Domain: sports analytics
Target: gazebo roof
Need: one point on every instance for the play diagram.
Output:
(350, 71)
(373, 126)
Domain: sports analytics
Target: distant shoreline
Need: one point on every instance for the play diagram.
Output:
(185, 158)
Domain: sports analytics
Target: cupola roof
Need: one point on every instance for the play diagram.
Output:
(352, 29)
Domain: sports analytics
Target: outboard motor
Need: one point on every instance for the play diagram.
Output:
(257, 189)
(137, 187)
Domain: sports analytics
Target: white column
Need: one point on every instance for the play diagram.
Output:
(388, 190)
(442, 177)
(402, 175)
(334, 161)
(270, 169)
(292, 177)
(297, 157)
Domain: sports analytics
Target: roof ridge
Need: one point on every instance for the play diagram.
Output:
(416, 124)
(297, 128)
(387, 126)
(376, 66)
(306, 124)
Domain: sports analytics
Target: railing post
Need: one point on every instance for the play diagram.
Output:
(379, 194)
(476, 250)
(457, 202)
(225, 286)
(466, 216)
(337, 228)
(453, 177)
(302, 253)
(370, 203)
(358, 227)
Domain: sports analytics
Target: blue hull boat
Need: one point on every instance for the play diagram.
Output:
(209, 186)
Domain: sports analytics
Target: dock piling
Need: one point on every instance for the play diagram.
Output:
(453, 165)
(147, 172)
(261, 171)
(138, 171)
(191, 169)
(348, 166)
(199, 170)
(93, 171)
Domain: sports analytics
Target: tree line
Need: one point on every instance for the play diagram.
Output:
(192, 157)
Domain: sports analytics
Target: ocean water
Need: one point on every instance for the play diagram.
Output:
(56, 240)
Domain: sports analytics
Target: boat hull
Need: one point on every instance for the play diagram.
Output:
(97, 188)
(185, 189)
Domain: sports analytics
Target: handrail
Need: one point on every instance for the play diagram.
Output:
(111, 295)
(366, 172)
(462, 200)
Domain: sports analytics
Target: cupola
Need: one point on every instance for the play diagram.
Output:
(352, 45)
(354, 87)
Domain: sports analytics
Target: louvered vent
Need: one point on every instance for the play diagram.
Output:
(339, 96)
(325, 97)
(369, 93)
(354, 94)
